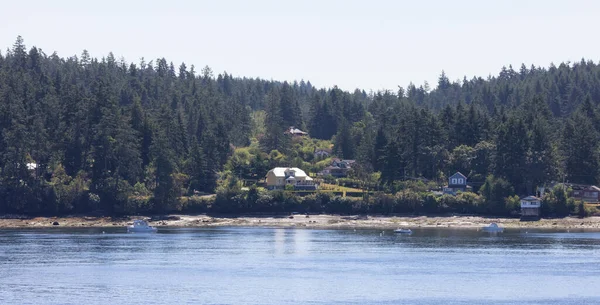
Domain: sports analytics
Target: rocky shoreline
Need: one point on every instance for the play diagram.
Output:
(303, 221)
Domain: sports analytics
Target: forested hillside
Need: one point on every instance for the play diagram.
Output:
(82, 134)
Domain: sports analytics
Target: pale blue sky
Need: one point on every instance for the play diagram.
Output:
(369, 44)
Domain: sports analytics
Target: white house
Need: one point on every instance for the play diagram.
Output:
(279, 177)
(295, 132)
(530, 207)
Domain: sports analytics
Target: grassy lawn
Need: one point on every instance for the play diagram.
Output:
(337, 188)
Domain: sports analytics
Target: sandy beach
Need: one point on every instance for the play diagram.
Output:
(302, 221)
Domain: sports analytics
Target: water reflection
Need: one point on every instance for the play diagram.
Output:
(292, 241)
(279, 241)
(302, 243)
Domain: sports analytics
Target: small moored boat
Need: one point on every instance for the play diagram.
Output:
(140, 226)
(403, 231)
(493, 228)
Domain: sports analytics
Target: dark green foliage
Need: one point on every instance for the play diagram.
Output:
(494, 191)
(275, 124)
(344, 144)
(165, 192)
(580, 146)
(91, 128)
(558, 203)
(84, 134)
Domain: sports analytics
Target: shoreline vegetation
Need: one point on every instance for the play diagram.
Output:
(321, 221)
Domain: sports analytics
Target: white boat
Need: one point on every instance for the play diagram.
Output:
(140, 226)
(493, 228)
(403, 231)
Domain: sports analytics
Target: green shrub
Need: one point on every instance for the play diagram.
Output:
(494, 190)
(138, 204)
(196, 204)
(512, 204)
(557, 202)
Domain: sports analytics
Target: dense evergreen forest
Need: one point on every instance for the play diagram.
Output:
(83, 134)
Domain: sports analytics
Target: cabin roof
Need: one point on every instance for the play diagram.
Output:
(531, 198)
(295, 131)
(458, 175)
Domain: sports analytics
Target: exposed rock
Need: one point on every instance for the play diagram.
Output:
(55, 223)
(164, 217)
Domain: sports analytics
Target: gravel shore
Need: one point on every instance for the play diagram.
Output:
(312, 221)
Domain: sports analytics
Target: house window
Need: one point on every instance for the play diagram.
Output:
(460, 181)
(453, 180)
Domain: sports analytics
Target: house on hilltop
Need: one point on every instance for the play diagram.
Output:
(279, 177)
(295, 132)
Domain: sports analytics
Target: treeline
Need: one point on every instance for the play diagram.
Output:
(523, 141)
(83, 134)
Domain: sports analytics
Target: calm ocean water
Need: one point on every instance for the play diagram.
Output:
(297, 266)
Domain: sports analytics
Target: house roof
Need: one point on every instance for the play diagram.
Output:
(280, 172)
(459, 174)
(531, 198)
(338, 160)
(576, 186)
(294, 130)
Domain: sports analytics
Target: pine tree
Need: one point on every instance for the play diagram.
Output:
(541, 159)
(198, 169)
(381, 143)
(274, 138)
(392, 164)
(579, 151)
(344, 145)
(165, 192)
(511, 152)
